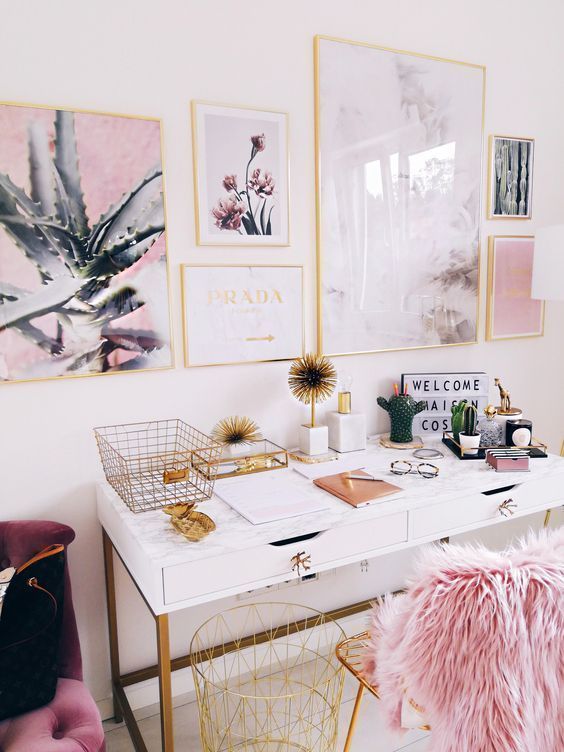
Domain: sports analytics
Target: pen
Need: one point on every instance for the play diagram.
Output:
(364, 477)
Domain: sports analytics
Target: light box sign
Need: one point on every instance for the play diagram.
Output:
(441, 391)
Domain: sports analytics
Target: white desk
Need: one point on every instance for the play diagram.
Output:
(172, 574)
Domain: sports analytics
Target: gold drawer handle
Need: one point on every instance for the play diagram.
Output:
(301, 561)
(506, 508)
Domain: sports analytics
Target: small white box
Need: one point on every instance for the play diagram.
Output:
(314, 440)
(347, 431)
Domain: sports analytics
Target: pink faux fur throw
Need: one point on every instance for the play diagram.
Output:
(478, 639)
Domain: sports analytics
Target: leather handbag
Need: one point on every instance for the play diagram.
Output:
(30, 630)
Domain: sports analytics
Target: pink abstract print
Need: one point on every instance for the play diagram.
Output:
(83, 282)
(513, 312)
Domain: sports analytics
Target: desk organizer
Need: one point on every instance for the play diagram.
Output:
(534, 451)
(158, 463)
(254, 457)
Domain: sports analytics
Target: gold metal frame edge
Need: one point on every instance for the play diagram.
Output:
(187, 363)
(195, 171)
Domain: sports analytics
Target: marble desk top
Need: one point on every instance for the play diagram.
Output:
(165, 547)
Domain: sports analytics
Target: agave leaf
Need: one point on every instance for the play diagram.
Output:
(39, 338)
(122, 255)
(49, 297)
(119, 303)
(132, 339)
(66, 162)
(36, 241)
(11, 292)
(120, 218)
(41, 170)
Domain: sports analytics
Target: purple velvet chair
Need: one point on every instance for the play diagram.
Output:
(70, 722)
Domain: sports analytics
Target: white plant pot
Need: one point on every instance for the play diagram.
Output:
(314, 440)
(469, 444)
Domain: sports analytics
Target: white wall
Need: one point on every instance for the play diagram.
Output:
(141, 57)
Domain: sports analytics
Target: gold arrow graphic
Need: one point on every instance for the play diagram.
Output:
(268, 338)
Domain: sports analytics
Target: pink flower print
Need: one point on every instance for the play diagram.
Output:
(262, 183)
(258, 142)
(230, 183)
(228, 212)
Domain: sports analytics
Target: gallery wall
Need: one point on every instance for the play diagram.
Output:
(146, 58)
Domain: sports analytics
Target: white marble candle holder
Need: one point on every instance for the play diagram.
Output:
(313, 440)
(347, 431)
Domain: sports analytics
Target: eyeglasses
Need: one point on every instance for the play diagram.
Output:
(424, 469)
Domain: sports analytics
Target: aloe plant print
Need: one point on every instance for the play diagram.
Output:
(79, 296)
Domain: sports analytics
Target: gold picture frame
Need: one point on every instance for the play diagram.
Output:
(199, 177)
(491, 171)
(321, 346)
(490, 297)
(83, 111)
(185, 324)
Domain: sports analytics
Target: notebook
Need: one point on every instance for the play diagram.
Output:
(357, 493)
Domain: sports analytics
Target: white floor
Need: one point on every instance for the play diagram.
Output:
(370, 735)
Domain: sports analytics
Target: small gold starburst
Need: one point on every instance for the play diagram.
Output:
(312, 379)
(236, 430)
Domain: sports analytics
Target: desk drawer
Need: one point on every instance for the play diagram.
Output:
(484, 507)
(241, 569)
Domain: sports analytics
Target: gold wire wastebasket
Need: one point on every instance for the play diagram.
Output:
(267, 679)
(157, 463)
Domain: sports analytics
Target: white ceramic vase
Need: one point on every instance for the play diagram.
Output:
(469, 444)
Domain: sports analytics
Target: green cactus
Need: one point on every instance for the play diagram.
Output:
(402, 409)
(457, 418)
(470, 420)
(76, 263)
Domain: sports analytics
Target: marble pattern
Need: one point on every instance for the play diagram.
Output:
(164, 546)
(400, 183)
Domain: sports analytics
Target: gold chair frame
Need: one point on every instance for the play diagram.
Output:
(349, 653)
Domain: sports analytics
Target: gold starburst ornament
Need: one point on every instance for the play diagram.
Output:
(236, 430)
(312, 379)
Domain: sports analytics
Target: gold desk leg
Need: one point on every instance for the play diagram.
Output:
(547, 517)
(354, 718)
(165, 686)
(112, 623)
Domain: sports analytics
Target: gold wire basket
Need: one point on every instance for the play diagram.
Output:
(158, 463)
(268, 680)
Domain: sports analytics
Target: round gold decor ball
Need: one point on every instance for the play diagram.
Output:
(312, 378)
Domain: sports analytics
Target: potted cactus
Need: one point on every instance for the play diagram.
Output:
(457, 418)
(469, 438)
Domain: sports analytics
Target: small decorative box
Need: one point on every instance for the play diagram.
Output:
(254, 457)
(504, 461)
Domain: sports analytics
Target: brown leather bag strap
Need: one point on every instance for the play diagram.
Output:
(56, 548)
(32, 582)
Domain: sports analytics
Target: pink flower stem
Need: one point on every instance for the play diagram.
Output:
(252, 219)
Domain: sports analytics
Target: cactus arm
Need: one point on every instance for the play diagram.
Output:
(420, 406)
(71, 199)
(383, 404)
